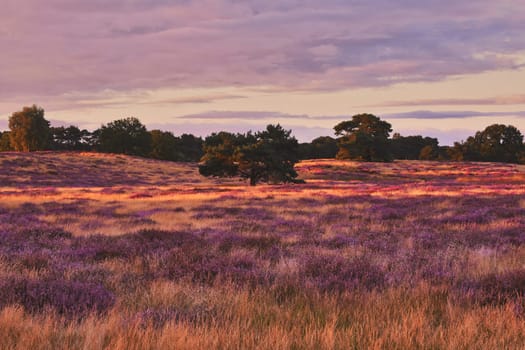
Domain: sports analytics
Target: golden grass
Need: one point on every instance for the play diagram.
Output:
(419, 317)
(395, 319)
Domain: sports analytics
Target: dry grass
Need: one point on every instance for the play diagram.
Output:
(395, 319)
(429, 228)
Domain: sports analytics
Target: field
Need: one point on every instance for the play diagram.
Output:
(108, 251)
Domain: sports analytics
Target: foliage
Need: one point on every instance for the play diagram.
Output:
(496, 143)
(163, 145)
(5, 142)
(434, 248)
(189, 148)
(219, 157)
(127, 136)
(29, 130)
(70, 138)
(69, 299)
(321, 147)
(266, 156)
(411, 147)
(185, 148)
(364, 138)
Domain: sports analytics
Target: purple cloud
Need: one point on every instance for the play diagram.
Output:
(445, 138)
(255, 115)
(122, 45)
(302, 133)
(489, 101)
(451, 115)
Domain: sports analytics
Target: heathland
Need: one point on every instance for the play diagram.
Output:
(117, 252)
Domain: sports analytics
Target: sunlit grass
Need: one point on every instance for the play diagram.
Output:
(364, 255)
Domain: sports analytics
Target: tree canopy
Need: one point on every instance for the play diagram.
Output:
(69, 138)
(5, 143)
(496, 143)
(266, 156)
(411, 147)
(29, 130)
(364, 138)
(320, 147)
(126, 136)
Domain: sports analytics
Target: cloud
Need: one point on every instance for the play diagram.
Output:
(195, 99)
(125, 45)
(270, 117)
(302, 133)
(255, 115)
(241, 115)
(450, 115)
(278, 116)
(488, 101)
(445, 138)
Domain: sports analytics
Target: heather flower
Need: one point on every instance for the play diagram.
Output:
(67, 298)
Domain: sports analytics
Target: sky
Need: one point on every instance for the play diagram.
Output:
(444, 68)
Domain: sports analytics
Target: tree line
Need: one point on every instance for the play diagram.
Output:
(367, 138)
(30, 131)
(265, 156)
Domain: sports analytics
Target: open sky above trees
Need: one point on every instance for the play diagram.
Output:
(443, 69)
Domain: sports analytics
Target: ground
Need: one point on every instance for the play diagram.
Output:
(110, 251)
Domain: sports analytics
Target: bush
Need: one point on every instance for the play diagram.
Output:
(67, 298)
(337, 274)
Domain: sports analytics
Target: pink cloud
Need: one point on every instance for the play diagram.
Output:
(78, 45)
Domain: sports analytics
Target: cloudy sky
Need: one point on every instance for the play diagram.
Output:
(439, 68)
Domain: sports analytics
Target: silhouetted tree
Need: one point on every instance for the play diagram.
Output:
(219, 157)
(364, 138)
(429, 152)
(163, 145)
(5, 144)
(189, 148)
(321, 147)
(410, 147)
(70, 138)
(497, 143)
(266, 156)
(127, 136)
(29, 130)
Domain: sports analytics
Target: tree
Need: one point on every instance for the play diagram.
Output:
(127, 136)
(429, 152)
(5, 144)
(29, 130)
(410, 147)
(163, 145)
(189, 148)
(70, 138)
(267, 156)
(321, 147)
(364, 138)
(497, 143)
(219, 157)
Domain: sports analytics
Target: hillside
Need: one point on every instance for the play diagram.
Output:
(83, 169)
(74, 169)
(398, 255)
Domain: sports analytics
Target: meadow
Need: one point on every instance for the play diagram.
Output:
(114, 252)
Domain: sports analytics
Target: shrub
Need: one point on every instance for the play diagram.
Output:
(67, 298)
(338, 274)
(495, 288)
